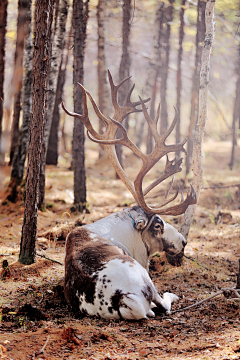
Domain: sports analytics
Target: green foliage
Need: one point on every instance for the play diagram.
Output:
(211, 218)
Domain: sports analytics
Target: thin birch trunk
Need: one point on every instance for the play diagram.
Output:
(179, 74)
(52, 153)
(202, 115)
(124, 69)
(236, 115)
(19, 157)
(153, 73)
(22, 25)
(201, 28)
(103, 93)
(3, 29)
(165, 52)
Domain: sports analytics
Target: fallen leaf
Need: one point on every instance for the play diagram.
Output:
(3, 348)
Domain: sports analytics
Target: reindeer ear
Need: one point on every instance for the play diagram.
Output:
(140, 224)
(139, 218)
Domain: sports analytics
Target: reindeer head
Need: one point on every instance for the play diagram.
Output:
(172, 241)
(157, 234)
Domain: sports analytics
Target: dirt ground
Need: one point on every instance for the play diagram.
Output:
(35, 322)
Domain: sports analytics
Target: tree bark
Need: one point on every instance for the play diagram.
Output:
(165, 43)
(103, 93)
(58, 79)
(41, 56)
(124, 69)
(19, 157)
(153, 72)
(236, 115)
(57, 49)
(80, 18)
(179, 74)
(22, 25)
(3, 29)
(201, 28)
(202, 115)
(52, 154)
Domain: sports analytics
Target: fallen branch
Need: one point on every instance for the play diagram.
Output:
(48, 258)
(43, 348)
(208, 298)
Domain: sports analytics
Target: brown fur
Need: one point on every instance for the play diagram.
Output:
(85, 257)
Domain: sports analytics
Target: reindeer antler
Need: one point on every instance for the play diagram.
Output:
(148, 161)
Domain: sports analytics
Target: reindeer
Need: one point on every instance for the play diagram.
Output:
(107, 262)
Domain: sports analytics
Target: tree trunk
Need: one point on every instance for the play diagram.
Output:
(124, 69)
(52, 154)
(152, 78)
(22, 25)
(41, 56)
(103, 93)
(3, 24)
(19, 157)
(80, 18)
(236, 115)
(57, 49)
(201, 29)
(179, 74)
(52, 151)
(55, 16)
(202, 115)
(165, 43)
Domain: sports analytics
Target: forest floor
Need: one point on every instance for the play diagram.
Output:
(35, 322)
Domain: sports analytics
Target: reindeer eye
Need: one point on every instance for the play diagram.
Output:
(157, 227)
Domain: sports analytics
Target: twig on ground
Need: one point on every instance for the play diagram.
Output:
(43, 348)
(48, 258)
(208, 298)
(41, 300)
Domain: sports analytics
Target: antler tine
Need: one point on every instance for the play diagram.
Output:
(169, 187)
(166, 201)
(168, 132)
(152, 123)
(182, 197)
(113, 86)
(170, 169)
(179, 209)
(124, 140)
(158, 113)
(114, 90)
(170, 129)
(128, 101)
(113, 141)
(96, 109)
(121, 112)
(174, 210)
(84, 117)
